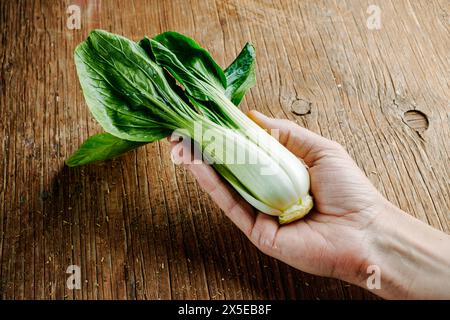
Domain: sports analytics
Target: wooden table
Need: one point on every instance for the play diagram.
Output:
(139, 227)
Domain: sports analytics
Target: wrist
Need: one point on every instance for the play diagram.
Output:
(409, 258)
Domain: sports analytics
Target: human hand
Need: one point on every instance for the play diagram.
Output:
(331, 240)
(340, 237)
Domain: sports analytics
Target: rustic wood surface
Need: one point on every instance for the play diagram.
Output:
(139, 227)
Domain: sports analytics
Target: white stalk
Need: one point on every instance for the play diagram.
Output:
(284, 193)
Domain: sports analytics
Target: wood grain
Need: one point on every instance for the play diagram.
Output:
(139, 227)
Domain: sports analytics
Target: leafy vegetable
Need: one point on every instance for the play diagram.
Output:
(141, 92)
(240, 75)
(101, 147)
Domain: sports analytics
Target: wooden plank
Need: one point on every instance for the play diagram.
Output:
(139, 227)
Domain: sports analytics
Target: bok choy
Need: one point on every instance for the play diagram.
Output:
(142, 92)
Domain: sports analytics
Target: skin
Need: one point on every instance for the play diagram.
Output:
(351, 227)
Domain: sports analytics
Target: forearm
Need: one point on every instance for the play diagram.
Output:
(412, 257)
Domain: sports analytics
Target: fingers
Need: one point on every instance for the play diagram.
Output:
(264, 234)
(235, 207)
(300, 141)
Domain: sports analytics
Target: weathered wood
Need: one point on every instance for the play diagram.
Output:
(139, 227)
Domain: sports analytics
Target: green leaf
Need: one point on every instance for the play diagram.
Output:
(203, 80)
(130, 95)
(101, 147)
(145, 44)
(240, 74)
(189, 63)
(125, 90)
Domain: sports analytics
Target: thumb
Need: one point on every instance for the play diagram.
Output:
(300, 141)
